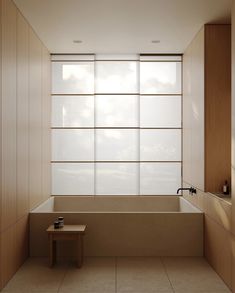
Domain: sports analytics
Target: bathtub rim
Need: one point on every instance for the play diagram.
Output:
(47, 207)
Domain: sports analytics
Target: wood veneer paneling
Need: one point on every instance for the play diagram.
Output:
(0, 127)
(22, 116)
(8, 254)
(22, 240)
(233, 144)
(217, 106)
(8, 208)
(46, 122)
(35, 119)
(25, 101)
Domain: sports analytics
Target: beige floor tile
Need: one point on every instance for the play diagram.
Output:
(36, 276)
(141, 274)
(96, 275)
(193, 274)
(126, 275)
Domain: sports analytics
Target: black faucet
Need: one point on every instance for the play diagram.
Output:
(190, 189)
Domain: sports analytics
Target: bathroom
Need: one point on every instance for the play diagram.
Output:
(116, 118)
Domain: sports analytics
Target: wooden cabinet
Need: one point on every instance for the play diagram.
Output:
(207, 109)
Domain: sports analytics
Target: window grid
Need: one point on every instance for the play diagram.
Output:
(139, 94)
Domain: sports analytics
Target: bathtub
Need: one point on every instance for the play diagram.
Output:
(122, 226)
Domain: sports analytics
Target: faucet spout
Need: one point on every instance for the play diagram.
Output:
(190, 189)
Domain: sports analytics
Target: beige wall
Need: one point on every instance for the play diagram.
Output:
(193, 112)
(218, 220)
(24, 132)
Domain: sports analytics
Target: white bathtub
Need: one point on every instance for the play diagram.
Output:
(122, 226)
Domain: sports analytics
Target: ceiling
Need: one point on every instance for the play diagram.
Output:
(121, 26)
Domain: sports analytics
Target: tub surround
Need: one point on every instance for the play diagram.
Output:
(218, 231)
(122, 226)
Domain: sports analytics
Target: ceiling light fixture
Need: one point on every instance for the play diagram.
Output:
(77, 41)
(155, 41)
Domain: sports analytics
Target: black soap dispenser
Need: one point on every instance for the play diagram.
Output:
(226, 188)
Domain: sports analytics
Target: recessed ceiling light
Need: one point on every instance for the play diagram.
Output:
(77, 41)
(155, 41)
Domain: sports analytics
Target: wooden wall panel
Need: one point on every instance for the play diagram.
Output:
(22, 116)
(14, 249)
(218, 106)
(8, 254)
(35, 119)
(46, 122)
(233, 127)
(0, 127)
(233, 144)
(24, 102)
(8, 209)
(22, 240)
(1, 282)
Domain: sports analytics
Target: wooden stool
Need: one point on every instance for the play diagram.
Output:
(68, 232)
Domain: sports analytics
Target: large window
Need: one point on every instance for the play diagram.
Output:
(116, 125)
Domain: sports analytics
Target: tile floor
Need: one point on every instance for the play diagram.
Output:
(120, 274)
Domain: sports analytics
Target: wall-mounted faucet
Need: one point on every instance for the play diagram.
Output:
(191, 190)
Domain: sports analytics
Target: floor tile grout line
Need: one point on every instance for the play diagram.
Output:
(165, 269)
(63, 278)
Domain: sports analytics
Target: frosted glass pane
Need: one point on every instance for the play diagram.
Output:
(160, 111)
(160, 58)
(73, 179)
(72, 145)
(73, 111)
(116, 144)
(160, 77)
(116, 77)
(160, 145)
(70, 57)
(128, 57)
(72, 77)
(159, 178)
(116, 110)
(117, 178)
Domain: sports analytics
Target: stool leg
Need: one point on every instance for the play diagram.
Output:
(54, 252)
(51, 250)
(80, 251)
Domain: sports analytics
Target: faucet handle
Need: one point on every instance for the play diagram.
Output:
(192, 190)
